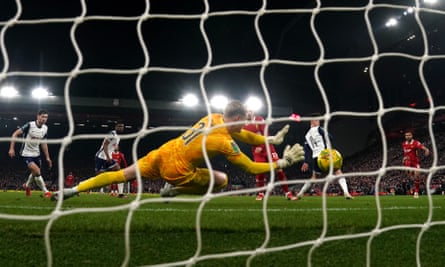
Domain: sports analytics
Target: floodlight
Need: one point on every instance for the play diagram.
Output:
(219, 102)
(190, 100)
(8, 91)
(391, 22)
(39, 92)
(254, 103)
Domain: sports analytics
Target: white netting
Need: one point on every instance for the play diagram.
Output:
(263, 10)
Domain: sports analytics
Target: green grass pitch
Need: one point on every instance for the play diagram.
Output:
(162, 232)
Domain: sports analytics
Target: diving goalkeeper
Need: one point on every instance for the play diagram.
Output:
(177, 161)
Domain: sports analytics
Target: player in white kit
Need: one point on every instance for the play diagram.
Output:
(103, 159)
(314, 143)
(33, 132)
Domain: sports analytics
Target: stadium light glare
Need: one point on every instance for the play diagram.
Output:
(430, 2)
(39, 93)
(9, 91)
(411, 37)
(189, 100)
(219, 102)
(408, 11)
(392, 22)
(254, 103)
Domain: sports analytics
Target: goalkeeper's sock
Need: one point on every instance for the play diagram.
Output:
(343, 185)
(120, 188)
(303, 190)
(282, 177)
(103, 179)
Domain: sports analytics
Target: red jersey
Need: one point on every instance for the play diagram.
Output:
(69, 180)
(259, 129)
(411, 152)
(119, 158)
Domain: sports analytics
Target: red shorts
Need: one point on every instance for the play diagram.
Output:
(409, 163)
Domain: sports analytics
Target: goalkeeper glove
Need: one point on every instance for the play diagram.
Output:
(279, 137)
(291, 155)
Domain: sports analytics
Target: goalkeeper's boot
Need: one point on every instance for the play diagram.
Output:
(259, 196)
(290, 196)
(66, 193)
(48, 194)
(168, 191)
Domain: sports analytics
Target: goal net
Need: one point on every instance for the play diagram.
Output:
(372, 69)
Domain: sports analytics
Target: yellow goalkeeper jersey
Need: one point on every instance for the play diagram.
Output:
(179, 158)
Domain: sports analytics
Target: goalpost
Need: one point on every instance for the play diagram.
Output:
(338, 75)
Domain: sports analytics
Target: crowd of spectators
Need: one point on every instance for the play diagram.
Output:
(365, 172)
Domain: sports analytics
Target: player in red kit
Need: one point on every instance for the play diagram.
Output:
(69, 180)
(411, 149)
(259, 153)
(119, 158)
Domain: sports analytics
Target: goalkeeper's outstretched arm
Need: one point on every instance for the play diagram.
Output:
(291, 155)
(246, 164)
(251, 138)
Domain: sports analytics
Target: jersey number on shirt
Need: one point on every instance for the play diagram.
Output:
(192, 133)
(314, 142)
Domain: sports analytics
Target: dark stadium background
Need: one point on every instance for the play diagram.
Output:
(101, 99)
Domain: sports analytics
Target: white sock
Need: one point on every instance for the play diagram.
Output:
(30, 180)
(343, 185)
(120, 188)
(305, 187)
(40, 183)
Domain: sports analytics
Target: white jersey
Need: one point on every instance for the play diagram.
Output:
(315, 140)
(32, 132)
(113, 141)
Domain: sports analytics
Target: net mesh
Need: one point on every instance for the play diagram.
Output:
(365, 59)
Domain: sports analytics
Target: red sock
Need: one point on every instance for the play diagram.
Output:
(260, 180)
(416, 185)
(282, 177)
